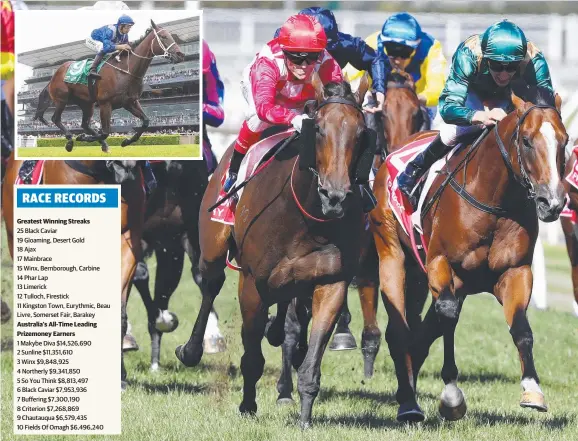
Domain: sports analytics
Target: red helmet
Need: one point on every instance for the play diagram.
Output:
(302, 33)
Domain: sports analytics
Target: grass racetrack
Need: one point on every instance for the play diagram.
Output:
(131, 151)
(201, 403)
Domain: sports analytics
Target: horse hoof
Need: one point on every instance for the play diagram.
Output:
(214, 344)
(285, 401)
(188, 362)
(129, 343)
(248, 409)
(125, 142)
(6, 313)
(105, 149)
(166, 321)
(154, 367)
(343, 342)
(410, 413)
(452, 405)
(534, 400)
(123, 386)
(304, 425)
(69, 146)
(275, 336)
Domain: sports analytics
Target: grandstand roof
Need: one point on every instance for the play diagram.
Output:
(186, 29)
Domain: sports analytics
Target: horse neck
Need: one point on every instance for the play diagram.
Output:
(494, 183)
(140, 65)
(396, 129)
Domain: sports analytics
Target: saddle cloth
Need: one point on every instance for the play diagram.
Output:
(77, 72)
(30, 173)
(225, 213)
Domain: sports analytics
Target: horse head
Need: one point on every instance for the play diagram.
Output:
(402, 114)
(339, 143)
(540, 138)
(165, 45)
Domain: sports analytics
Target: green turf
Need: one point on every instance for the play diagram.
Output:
(179, 404)
(131, 151)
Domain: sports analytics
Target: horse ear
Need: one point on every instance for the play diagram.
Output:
(318, 86)
(154, 25)
(362, 88)
(519, 104)
(558, 103)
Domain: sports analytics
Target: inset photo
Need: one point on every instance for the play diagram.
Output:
(108, 84)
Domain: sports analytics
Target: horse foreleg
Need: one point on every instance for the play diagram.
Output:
(371, 335)
(447, 306)
(254, 314)
(135, 108)
(327, 303)
(513, 291)
(57, 120)
(213, 341)
(105, 115)
(128, 266)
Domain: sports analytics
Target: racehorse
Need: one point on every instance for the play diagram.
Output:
(91, 173)
(570, 228)
(170, 229)
(402, 116)
(120, 86)
(480, 240)
(289, 240)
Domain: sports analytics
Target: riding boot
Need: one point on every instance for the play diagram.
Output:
(148, 176)
(418, 166)
(92, 73)
(233, 170)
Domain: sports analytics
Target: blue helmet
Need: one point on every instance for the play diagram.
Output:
(327, 20)
(401, 28)
(124, 20)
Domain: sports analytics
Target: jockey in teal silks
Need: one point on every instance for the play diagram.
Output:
(477, 92)
(108, 39)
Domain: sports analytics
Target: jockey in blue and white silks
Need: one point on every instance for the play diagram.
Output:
(108, 39)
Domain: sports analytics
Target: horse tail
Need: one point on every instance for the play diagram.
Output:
(44, 102)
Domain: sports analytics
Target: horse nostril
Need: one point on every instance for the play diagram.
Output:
(324, 192)
(543, 201)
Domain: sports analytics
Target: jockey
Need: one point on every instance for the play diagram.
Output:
(108, 39)
(482, 69)
(344, 48)
(407, 48)
(213, 94)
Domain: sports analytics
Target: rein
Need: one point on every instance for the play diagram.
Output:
(524, 181)
(330, 100)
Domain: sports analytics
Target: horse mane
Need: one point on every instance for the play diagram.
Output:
(399, 80)
(396, 77)
(135, 43)
(341, 90)
(533, 94)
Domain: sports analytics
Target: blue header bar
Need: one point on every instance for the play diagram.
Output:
(68, 197)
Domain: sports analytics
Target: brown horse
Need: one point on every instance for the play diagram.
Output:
(120, 86)
(290, 241)
(91, 173)
(482, 241)
(570, 229)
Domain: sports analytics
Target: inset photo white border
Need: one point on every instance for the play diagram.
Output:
(77, 25)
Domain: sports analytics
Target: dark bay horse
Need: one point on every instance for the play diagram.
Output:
(92, 173)
(120, 86)
(289, 239)
(171, 228)
(515, 177)
(570, 229)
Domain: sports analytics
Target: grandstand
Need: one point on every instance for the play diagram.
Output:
(170, 96)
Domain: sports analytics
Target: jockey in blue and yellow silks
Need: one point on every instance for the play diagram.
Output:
(108, 39)
(477, 93)
(403, 45)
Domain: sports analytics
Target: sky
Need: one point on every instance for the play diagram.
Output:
(77, 25)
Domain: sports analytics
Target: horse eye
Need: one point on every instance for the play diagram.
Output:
(527, 143)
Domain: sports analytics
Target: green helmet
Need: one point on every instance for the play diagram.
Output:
(504, 42)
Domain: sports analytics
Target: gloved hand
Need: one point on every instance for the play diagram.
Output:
(297, 122)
